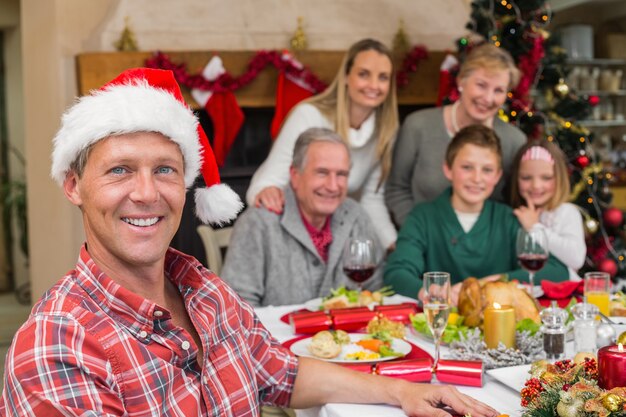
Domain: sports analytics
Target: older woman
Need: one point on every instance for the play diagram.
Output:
(484, 79)
(361, 106)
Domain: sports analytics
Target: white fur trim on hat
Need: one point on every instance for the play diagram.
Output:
(121, 109)
(217, 204)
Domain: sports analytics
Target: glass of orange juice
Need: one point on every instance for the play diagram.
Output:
(597, 290)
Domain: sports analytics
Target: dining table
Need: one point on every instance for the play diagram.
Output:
(498, 395)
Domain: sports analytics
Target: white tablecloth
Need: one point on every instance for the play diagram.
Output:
(502, 398)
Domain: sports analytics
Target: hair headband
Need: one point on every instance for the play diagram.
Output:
(537, 153)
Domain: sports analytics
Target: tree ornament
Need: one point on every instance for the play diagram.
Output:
(127, 40)
(561, 89)
(401, 40)
(582, 160)
(612, 402)
(613, 217)
(605, 333)
(621, 338)
(298, 42)
(591, 226)
(609, 266)
(593, 100)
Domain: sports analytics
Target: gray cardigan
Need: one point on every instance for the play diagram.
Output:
(271, 259)
(417, 170)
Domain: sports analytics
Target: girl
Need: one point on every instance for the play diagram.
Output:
(361, 106)
(539, 190)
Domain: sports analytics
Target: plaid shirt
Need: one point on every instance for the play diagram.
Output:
(92, 348)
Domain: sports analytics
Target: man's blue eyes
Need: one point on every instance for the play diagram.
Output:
(160, 170)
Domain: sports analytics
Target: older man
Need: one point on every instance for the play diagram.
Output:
(139, 329)
(297, 255)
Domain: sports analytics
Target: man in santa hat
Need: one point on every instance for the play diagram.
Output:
(137, 328)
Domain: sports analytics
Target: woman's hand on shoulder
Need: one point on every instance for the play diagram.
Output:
(272, 198)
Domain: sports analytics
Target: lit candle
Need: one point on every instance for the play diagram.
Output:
(612, 367)
(499, 326)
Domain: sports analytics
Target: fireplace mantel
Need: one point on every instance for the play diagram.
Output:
(95, 69)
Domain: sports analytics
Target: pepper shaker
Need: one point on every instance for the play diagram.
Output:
(553, 329)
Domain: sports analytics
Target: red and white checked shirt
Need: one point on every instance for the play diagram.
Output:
(92, 348)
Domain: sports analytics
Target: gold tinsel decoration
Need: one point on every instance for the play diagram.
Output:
(298, 42)
(127, 40)
(580, 185)
(400, 43)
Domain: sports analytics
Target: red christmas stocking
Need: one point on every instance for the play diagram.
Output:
(289, 92)
(225, 113)
(227, 119)
(446, 81)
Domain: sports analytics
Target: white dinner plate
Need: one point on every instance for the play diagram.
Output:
(513, 377)
(299, 348)
(316, 303)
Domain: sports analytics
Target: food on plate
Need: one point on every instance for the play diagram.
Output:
(475, 296)
(383, 324)
(345, 298)
(617, 306)
(330, 344)
(363, 355)
(327, 344)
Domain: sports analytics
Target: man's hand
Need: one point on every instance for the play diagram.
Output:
(318, 383)
(427, 400)
(272, 198)
(528, 216)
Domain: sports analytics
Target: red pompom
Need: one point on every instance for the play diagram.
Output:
(613, 217)
(594, 100)
(608, 265)
(582, 161)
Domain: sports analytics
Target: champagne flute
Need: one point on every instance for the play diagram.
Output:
(359, 260)
(437, 306)
(532, 252)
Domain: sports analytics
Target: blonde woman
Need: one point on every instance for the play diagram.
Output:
(484, 79)
(361, 106)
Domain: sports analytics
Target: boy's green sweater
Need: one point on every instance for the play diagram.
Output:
(432, 239)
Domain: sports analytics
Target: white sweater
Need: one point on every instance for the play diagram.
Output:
(364, 173)
(566, 236)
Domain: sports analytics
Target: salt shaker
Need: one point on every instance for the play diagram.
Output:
(585, 326)
(553, 329)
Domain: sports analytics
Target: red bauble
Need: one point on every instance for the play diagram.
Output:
(608, 265)
(594, 100)
(582, 161)
(613, 217)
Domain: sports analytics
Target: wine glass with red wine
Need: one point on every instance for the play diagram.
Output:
(359, 260)
(532, 251)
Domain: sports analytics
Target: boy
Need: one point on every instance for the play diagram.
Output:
(461, 231)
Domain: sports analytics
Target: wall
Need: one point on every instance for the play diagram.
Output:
(54, 31)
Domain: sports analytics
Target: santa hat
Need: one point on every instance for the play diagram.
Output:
(146, 100)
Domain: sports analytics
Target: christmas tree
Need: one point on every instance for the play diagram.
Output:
(543, 105)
